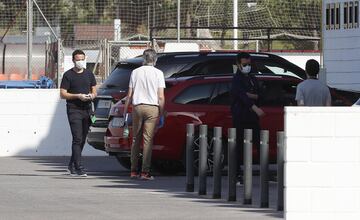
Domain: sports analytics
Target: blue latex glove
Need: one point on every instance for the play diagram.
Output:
(128, 119)
(161, 122)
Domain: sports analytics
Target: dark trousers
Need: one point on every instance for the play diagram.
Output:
(240, 127)
(79, 120)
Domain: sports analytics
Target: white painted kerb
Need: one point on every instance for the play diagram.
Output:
(322, 163)
(33, 122)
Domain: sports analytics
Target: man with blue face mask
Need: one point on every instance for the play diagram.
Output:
(78, 88)
(244, 109)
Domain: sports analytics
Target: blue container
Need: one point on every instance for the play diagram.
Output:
(43, 83)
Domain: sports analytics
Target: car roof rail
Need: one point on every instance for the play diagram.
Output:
(217, 76)
(230, 75)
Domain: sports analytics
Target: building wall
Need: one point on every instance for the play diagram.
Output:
(33, 122)
(341, 51)
(322, 163)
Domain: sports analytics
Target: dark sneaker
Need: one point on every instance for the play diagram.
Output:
(134, 175)
(240, 181)
(272, 178)
(146, 176)
(71, 170)
(80, 173)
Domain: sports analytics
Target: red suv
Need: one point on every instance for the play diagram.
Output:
(175, 65)
(206, 100)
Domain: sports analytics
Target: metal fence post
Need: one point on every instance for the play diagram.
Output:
(190, 158)
(29, 42)
(264, 167)
(217, 162)
(280, 170)
(269, 39)
(60, 63)
(203, 159)
(247, 166)
(232, 164)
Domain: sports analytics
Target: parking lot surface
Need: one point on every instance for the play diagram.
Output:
(39, 188)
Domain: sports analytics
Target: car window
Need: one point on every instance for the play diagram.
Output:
(197, 94)
(277, 93)
(170, 69)
(209, 67)
(216, 67)
(119, 77)
(222, 94)
(270, 67)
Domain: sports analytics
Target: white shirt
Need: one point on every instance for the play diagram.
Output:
(145, 82)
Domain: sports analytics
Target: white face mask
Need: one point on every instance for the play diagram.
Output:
(246, 69)
(80, 64)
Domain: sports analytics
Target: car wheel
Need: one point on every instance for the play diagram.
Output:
(210, 148)
(124, 161)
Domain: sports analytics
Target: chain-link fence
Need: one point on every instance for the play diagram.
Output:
(114, 52)
(84, 24)
(267, 39)
(14, 36)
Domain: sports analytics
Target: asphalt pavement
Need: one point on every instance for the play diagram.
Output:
(39, 188)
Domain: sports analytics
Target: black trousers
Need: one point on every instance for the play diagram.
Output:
(79, 120)
(240, 127)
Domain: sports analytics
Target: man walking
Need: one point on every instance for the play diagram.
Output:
(78, 88)
(245, 112)
(312, 92)
(146, 93)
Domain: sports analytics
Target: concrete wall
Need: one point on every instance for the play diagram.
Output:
(322, 163)
(341, 53)
(34, 123)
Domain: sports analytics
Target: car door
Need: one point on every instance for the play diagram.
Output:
(188, 104)
(275, 94)
(195, 99)
(220, 102)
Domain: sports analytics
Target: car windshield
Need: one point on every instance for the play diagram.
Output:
(119, 77)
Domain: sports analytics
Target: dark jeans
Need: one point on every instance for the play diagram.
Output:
(79, 120)
(240, 127)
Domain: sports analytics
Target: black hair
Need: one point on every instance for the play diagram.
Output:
(242, 55)
(312, 67)
(77, 52)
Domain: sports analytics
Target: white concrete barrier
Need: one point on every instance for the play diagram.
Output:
(33, 122)
(322, 163)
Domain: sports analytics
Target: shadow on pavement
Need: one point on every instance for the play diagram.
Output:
(117, 177)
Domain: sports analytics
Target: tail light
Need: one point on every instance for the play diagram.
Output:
(108, 133)
(118, 96)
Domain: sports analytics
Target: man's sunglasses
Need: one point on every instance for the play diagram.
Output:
(245, 65)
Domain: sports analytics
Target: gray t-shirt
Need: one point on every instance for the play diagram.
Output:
(313, 93)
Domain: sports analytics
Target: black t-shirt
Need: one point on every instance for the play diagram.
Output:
(76, 83)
